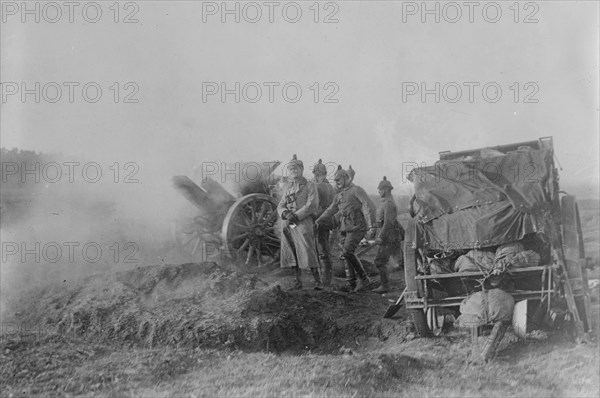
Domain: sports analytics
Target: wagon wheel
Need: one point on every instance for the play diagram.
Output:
(249, 230)
(413, 286)
(435, 321)
(192, 234)
(572, 239)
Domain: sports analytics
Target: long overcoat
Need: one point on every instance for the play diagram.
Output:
(299, 196)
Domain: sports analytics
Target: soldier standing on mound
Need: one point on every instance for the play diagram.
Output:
(352, 203)
(296, 208)
(390, 235)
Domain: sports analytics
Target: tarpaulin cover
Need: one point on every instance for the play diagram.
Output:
(482, 201)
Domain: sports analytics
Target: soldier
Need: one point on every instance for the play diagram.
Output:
(326, 195)
(296, 208)
(390, 235)
(352, 202)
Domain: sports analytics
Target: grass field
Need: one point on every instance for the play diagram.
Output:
(202, 331)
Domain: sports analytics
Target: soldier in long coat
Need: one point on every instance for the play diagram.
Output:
(297, 206)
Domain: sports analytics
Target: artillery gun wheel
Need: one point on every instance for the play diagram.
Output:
(249, 230)
(572, 239)
(192, 232)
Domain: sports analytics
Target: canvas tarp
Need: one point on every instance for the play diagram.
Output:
(483, 201)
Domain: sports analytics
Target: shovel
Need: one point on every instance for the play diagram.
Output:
(392, 309)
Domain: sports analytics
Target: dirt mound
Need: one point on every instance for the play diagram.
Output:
(205, 305)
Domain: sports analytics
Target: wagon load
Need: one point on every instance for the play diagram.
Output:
(494, 218)
(481, 201)
(499, 259)
(485, 307)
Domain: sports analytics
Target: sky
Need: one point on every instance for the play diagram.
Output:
(357, 75)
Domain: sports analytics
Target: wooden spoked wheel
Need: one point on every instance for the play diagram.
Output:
(249, 233)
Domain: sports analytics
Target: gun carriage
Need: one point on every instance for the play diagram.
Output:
(238, 222)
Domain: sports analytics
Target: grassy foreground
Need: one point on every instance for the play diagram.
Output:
(437, 367)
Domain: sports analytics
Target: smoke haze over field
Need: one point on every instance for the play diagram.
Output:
(158, 115)
(65, 217)
(368, 54)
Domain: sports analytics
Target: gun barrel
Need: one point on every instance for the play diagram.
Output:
(210, 197)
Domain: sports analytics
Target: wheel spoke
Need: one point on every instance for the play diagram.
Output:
(244, 245)
(271, 237)
(271, 244)
(263, 209)
(188, 238)
(243, 227)
(259, 254)
(195, 246)
(246, 218)
(249, 256)
(268, 247)
(238, 237)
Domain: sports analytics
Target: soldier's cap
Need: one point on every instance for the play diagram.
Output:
(340, 173)
(385, 184)
(319, 168)
(295, 162)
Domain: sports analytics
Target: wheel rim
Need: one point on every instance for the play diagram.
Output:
(575, 257)
(249, 230)
(435, 322)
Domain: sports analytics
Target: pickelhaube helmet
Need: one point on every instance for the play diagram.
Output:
(319, 168)
(351, 172)
(295, 162)
(340, 173)
(385, 184)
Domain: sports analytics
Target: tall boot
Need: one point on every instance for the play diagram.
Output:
(297, 279)
(493, 341)
(350, 276)
(363, 279)
(328, 273)
(385, 281)
(317, 276)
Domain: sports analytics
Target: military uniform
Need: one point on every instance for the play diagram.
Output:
(300, 199)
(390, 233)
(352, 204)
(326, 194)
